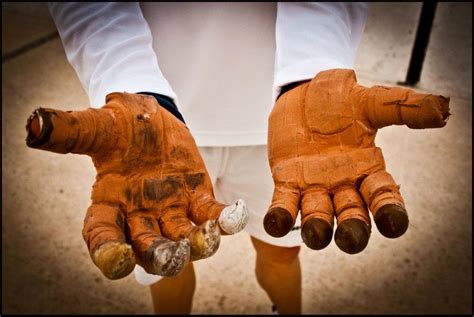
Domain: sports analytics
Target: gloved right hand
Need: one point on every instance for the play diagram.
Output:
(152, 202)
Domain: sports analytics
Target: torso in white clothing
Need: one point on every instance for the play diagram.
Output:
(223, 63)
(219, 59)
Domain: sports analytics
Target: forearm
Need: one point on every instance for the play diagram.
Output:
(313, 37)
(110, 47)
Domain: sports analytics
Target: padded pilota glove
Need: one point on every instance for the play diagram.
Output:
(153, 201)
(324, 161)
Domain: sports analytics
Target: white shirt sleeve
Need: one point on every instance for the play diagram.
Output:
(315, 36)
(109, 44)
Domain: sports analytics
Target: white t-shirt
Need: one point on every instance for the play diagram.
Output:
(222, 63)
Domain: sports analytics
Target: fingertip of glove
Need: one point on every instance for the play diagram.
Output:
(352, 235)
(391, 221)
(234, 218)
(316, 233)
(278, 222)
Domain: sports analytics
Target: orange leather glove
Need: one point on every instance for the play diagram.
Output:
(152, 202)
(324, 161)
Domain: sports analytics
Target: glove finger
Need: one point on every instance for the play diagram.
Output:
(317, 218)
(204, 239)
(353, 220)
(204, 207)
(383, 197)
(103, 232)
(230, 219)
(156, 254)
(396, 105)
(281, 215)
(80, 132)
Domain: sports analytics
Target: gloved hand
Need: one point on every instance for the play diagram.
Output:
(324, 161)
(152, 202)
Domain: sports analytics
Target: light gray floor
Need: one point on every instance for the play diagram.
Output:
(45, 265)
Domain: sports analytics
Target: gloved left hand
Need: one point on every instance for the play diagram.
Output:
(324, 161)
(153, 200)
